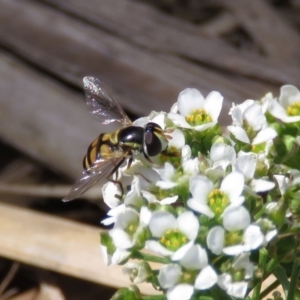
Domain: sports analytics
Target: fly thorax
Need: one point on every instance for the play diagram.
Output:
(131, 139)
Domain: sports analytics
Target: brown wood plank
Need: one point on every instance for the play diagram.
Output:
(277, 38)
(43, 119)
(55, 244)
(71, 49)
(147, 27)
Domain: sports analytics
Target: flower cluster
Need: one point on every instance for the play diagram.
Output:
(218, 211)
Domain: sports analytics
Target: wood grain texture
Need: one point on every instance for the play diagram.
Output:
(276, 37)
(43, 119)
(146, 26)
(71, 49)
(59, 245)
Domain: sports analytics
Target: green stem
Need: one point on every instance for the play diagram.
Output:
(272, 264)
(294, 279)
(149, 257)
(263, 256)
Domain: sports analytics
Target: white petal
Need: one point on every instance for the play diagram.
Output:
(157, 248)
(166, 185)
(189, 100)
(179, 120)
(235, 250)
(239, 133)
(195, 205)
(195, 258)
(160, 222)
(168, 200)
(174, 108)
(169, 275)
(215, 239)
(108, 221)
(260, 185)
(205, 126)
(177, 140)
(264, 135)
(213, 104)
(236, 218)
(126, 217)
(191, 167)
(238, 289)
(188, 224)
(167, 172)
(145, 216)
(246, 164)
(105, 255)
(253, 237)
(109, 192)
(283, 183)
(236, 115)
(254, 116)
(119, 256)
(288, 94)
(141, 121)
(181, 252)
(224, 281)
(200, 187)
(186, 153)
(182, 291)
(206, 278)
(221, 152)
(160, 120)
(233, 185)
(270, 235)
(120, 238)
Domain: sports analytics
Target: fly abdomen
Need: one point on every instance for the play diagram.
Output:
(102, 148)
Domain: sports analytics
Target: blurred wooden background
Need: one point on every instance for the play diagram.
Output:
(147, 52)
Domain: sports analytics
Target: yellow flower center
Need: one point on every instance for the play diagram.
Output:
(198, 117)
(131, 228)
(294, 109)
(233, 238)
(217, 201)
(173, 239)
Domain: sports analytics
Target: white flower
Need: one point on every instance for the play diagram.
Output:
(138, 271)
(221, 156)
(129, 224)
(169, 175)
(250, 114)
(192, 106)
(175, 232)
(235, 219)
(203, 192)
(237, 289)
(287, 107)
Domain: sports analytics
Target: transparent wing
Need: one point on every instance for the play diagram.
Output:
(102, 102)
(92, 176)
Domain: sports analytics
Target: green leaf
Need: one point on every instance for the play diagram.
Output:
(280, 274)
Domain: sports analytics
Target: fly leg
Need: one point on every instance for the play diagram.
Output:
(115, 170)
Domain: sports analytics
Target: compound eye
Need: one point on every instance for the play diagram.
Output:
(152, 143)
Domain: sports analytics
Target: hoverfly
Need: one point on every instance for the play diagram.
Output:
(110, 150)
